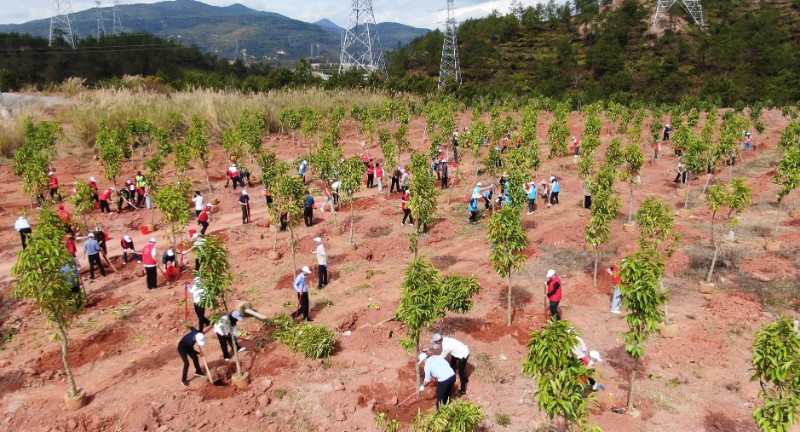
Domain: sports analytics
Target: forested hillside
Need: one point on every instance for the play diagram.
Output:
(749, 51)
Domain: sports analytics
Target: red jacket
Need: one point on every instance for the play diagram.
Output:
(53, 182)
(93, 185)
(203, 216)
(616, 276)
(147, 255)
(379, 172)
(71, 246)
(554, 288)
(404, 204)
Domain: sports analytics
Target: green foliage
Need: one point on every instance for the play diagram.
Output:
(32, 160)
(460, 290)
(776, 367)
(290, 119)
(326, 160)
(790, 138)
(423, 190)
(38, 279)
(389, 150)
(83, 199)
(315, 341)
(271, 169)
(197, 139)
(174, 202)
(458, 416)
(558, 132)
(508, 240)
(561, 379)
(288, 191)
(351, 173)
(787, 176)
(245, 137)
(656, 226)
(215, 273)
(643, 297)
(634, 160)
(112, 149)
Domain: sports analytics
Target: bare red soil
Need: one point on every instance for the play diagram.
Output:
(124, 345)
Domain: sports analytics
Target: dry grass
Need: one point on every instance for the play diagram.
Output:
(777, 296)
(221, 108)
(12, 129)
(700, 259)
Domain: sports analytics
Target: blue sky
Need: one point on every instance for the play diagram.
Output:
(417, 13)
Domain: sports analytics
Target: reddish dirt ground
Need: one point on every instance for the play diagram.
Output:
(124, 344)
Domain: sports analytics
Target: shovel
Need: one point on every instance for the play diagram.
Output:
(208, 374)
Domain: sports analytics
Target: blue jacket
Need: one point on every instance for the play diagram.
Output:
(302, 169)
(301, 283)
(309, 201)
(473, 205)
(532, 192)
(556, 186)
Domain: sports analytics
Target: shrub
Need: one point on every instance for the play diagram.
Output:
(313, 340)
(461, 416)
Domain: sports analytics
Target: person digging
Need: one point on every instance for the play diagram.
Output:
(437, 367)
(186, 351)
(301, 287)
(459, 354)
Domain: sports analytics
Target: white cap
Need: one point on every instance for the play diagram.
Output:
(318, 239)
(209, 205)
(92, 179)
(91, 235)
(51, 173)
(244, 192)
(436, 337)
(200, 338)
(170, 252)
(195, 235)
(551, 273)
(422, 357)
(479, 184)
(113, 189)
(152, 239)
(127, 238)
(197, 279)
(402, 170)
(595, 355)
(306, 270)
(236, 315)
(552, 178)
(444, 160)
(22, 217)
(304, 161)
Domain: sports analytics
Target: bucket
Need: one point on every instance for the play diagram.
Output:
(145, 229)
(192, 233)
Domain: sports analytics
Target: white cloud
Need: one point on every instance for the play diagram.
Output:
(417, 13)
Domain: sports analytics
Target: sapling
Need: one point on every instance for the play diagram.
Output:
(508, 240)
(776, 368)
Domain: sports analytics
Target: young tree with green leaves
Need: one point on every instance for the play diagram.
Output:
(83, 201)
(605, 209)
(197, 142)
(427, 297)
(558, 132)
(508, 240)
(290, 119)
(39, 277)
(776, 367)
(113, 150)
(389, 150)
(458, 416)
(288, 193)
(351, 173)
(33, 158)
(216, 278)
(561, 379)
(634, 160)
(737, 199)
(644, 298)
(787, 176)
(424, 192)
(173, 201)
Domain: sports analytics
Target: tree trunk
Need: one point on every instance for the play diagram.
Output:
(416, 365)
(686, 199)
(630, 214)
(275, 242)
(705, 186)
(716, 251)
(208, 181)
(510, 309)
(777, 220)
(596, 262)
(291, 244)
(62, 333)
(352, 218)
(632, 384)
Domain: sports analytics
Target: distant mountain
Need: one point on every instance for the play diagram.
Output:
(328, 24)
(221, 30)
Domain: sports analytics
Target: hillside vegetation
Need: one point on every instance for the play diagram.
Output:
(748, 52)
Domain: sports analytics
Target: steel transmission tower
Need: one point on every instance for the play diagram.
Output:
(60, 22)
(450, 69)
(116, 28)
(361, 47)
(692, 7)
(101, 28)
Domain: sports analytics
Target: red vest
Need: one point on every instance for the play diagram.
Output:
(147, 255)
(557, 295)
(53, 182)
(203, 216)
(616, 276)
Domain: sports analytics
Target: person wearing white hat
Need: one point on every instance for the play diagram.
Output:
(438, 368)
(244, 202)
(53, 185)
(576, 146)
(198, 203)
(530, 188)
(616, 280)
(126, 242)
(554, 190)
(198, 297)
(92, 249)
(459, 355)
(23, 227)
(301, 287)
(404, 178)
(93, 185)
(445, 170)
(149, 254)
(301, 171)
(395, 185)
(473, 208)
(204, 219)
(667, 130)
(406, 209)
(226, 332)
(553, 290)
(168, 260)
(186, 350)
(322, 262)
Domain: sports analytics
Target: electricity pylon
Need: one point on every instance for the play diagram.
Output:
(60, 22)
(450, 69)
(692, 7)
(101, 27)
(361, 47)
(116, 28)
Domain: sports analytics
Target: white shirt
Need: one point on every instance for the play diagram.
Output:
(335, 185)
(198, 293)
(198, 203)
(437, 367)
(322, 256)
(223, 327)
(21, 224)
(579, 350)
(454, 347)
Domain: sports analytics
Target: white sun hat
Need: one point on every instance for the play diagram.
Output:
(551, 273)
